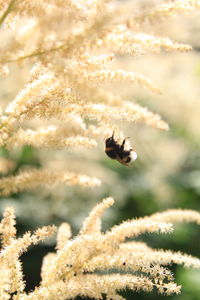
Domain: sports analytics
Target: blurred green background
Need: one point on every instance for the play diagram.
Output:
(134, 195)
(165, 175)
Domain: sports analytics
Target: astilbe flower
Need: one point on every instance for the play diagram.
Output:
(71, 47)
(94, 262)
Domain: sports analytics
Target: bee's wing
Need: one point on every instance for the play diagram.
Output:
(121, 161)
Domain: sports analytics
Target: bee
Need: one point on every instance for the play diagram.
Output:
(116, 151)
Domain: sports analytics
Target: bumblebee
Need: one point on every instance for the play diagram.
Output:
(116, 151)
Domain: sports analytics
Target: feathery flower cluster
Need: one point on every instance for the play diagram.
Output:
(94, 263)
(71, 50)
(71, 47)
(71, 60)
(28, 180)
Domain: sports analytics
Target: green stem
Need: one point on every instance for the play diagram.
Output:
(66, 45)
(37, 53)
(8, 10)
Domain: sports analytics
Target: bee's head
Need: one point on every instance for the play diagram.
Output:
(110, 141)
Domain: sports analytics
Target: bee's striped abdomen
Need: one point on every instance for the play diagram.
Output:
(126, 159)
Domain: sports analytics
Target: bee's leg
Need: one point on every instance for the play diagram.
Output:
(122, 145)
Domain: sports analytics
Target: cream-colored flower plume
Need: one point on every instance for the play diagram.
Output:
(28, 180)
(94, 263)
(72, 53)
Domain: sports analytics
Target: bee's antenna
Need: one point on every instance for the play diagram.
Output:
(113, 134)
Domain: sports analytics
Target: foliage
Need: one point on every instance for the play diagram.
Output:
(62, 65)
